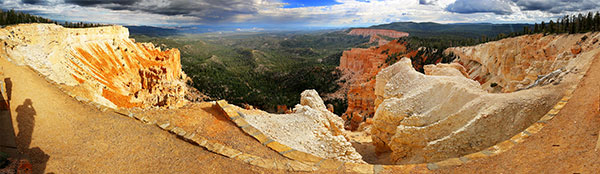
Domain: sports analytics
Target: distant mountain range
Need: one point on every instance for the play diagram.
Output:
(469, 30)
(163, 31)
(423, 30)
(152, 31)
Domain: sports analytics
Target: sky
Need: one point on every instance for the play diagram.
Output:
(299, 13)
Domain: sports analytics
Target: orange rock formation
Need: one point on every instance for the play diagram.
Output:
(133, 74)
(360, 66)
(101, 65)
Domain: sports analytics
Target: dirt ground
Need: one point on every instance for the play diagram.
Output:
(207, 120)
(61, 135)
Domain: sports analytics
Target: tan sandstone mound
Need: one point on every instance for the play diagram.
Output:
(452, 111)
(426, 118)
(101, 64)
(311, 129)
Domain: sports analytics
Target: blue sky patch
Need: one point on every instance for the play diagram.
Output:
(308, 3)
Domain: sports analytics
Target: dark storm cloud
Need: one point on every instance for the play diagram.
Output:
(32, 1)
(96, 2)
(205, 10)
(499, 7)
(557, 6)
(426, 2)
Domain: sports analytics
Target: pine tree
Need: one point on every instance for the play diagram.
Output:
(543, 27)
(589, 22)
(551, 26)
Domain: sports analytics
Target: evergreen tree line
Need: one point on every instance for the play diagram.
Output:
(568, 24)
(12, 17)
(571, 24)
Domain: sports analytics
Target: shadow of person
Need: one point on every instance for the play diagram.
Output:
(26, 122)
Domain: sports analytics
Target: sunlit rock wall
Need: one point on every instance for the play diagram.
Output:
(100, 64)
(514, 63)
(453, 110)
(359, 67)
(383, 32)
(376, 34)
(427, 118)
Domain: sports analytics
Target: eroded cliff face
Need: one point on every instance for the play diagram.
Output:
(376, 34)
(101, 65)
(512, 64)
(359, 67)
(383, 32)
(452, 111)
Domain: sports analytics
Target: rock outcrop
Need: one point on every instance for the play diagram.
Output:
(452, 111)
(373, 32)
(101, 64)
(425, 118)
(359, 67)
(311, 129)
(511, 64)
(376, 34)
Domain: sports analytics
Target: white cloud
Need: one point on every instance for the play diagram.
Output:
(271, 12)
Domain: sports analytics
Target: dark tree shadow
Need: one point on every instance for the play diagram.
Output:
(5, 88)
(26, 122)
(8, 83)
(8, 144)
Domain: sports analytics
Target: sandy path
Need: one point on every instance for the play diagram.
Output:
(209, 121)
(61, 135)
(565, 145)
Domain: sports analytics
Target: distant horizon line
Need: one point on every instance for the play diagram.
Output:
(268, 27)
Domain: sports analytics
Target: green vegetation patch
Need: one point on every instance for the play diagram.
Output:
(262, 69)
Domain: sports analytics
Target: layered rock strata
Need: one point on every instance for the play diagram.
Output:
(373, 32)
(512, 64)
(101, 64)
(376, 34)
(452, 111)
(359, 67)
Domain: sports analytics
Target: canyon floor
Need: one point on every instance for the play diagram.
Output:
(62, 135)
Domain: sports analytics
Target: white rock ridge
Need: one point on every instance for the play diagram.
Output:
(428, 118)
(311, 129)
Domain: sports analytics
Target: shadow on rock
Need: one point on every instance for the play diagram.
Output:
(26, 122)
